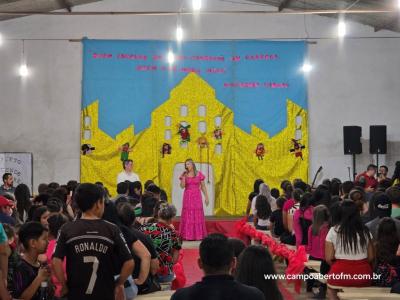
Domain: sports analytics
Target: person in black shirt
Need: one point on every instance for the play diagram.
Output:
(28, 273)
(276, 218)
(141, 256)
(217, 261)
(91, 246)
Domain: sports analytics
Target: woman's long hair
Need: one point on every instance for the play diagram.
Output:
(351, 230)
(256, 186)
(387, 241)
(306, 201)
(335, 210)
(254, 263)
(263, 207)
(320, 217)
(23, 197)
(193, 164)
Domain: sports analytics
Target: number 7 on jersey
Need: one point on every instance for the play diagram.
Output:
(93, 277)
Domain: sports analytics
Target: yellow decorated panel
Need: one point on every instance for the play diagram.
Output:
(191, 102)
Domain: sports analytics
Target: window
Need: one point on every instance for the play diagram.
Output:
(202, 111)
(218, 121)
(202, 127)
(168, 121)
(218, 149)
(87, 134)
(298, 134)
(184, 110)
(167, 134)
(299, 120)
(87, 121)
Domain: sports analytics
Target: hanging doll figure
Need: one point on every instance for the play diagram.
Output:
(165, 149)
(184, 133)
(87, 149)
(202, 142)
(260, 151)
(297, 148)
(218, 133)
(125, 149)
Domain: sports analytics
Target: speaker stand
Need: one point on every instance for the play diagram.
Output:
(354, 167)
(377, 160)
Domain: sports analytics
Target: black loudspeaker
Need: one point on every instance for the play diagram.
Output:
(352, 139)
(377, 139)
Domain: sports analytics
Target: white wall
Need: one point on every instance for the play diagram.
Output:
(355, 82)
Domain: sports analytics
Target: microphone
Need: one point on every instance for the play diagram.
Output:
(319, 169)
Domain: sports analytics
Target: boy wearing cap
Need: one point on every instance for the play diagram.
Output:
(383, 208)
(6, 210)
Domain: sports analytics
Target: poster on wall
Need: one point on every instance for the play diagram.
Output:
(237, 108)
(19, 164)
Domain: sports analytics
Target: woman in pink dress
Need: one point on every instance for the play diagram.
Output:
(193, 225)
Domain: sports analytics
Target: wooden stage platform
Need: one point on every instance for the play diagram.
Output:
(224, 225)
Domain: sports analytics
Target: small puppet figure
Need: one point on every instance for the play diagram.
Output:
(260, 151)
(218, 133)
(183, 131)
(125, 149)
(297, 148)
(165, 149)
(87, 149)
(202, 142)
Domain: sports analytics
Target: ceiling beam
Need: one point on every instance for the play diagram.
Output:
(284, 4)
(171, 13)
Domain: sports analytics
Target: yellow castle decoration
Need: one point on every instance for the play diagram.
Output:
(235, 167)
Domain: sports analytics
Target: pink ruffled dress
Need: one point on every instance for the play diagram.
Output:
(193, 224)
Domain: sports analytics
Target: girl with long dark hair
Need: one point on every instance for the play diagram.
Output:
(288, 211)
(387, 264)
(254, 193)
(266, 192)
(23, 197)
(349, 250)
(316, 243)
(254, 263)
(263, 212)
(302, 219)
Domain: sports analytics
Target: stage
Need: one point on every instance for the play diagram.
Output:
(224, 225)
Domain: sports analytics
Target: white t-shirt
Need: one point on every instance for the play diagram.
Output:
(265, 222)
(253, 205)
(123, 176)
(334, 238)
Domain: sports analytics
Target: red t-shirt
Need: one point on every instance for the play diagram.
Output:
(369, 181)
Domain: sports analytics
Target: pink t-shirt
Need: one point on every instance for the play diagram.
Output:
(49, 255)
(308, 215)
(288, 205)
(316, 243)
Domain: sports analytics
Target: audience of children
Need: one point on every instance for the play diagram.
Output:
(348, 227)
